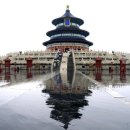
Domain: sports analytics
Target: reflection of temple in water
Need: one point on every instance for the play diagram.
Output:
(67, 96)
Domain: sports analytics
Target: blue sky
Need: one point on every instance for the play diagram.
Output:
(24, 23)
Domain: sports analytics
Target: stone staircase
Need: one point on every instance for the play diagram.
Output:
(63, 65)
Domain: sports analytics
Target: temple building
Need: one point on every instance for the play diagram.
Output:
(67, 35)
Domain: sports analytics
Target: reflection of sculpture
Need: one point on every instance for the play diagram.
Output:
(65, 99)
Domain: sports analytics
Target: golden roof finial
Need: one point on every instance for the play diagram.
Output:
(67, 7)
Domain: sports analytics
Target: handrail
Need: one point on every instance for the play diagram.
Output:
(74, 60)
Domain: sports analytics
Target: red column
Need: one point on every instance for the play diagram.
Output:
(29, 67)
(98, 64)
(0, 66)
(29, 63)
(63, 48)
(7, 64)
(122, 65)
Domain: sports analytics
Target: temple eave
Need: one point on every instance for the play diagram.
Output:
(63, 30)
(69, 41)
(73, 19)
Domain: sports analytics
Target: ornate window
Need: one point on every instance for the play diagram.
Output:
(67, 22)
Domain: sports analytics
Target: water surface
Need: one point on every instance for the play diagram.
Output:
(73, 100)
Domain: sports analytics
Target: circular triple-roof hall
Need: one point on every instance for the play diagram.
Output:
(67, 35)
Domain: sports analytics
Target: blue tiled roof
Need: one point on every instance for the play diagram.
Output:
(73, 33)
(67, 15)
(67, 30)
(67, 39)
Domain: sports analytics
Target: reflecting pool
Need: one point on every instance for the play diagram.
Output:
(73, 100)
